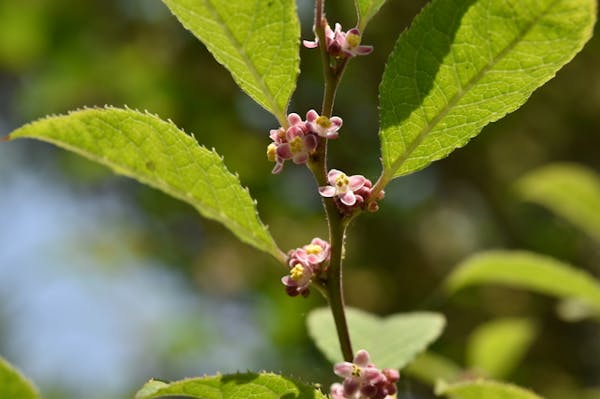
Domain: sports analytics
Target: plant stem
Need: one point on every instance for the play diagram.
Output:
(318, 166)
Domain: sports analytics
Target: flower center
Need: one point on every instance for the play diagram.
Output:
(313, 249)
(342, 182)
(296, 145)
(297, 272)
(353, 40)
(323, 121)
(356, 371)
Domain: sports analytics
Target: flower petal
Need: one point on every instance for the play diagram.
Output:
(333, 175)
(362, 358)
(348, 198)
(327, 191)
(356, 182)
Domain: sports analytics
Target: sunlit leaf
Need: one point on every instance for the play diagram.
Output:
(484, 389)
(570, 190)
(392, 341)
(496, 347)
(233, 386)
(526, 270)
(257, 41)
(429, 367)
(466, 63)
(366, 10)
(13, 384)
(157, 153)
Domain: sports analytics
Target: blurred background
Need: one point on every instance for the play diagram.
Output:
(106, 283)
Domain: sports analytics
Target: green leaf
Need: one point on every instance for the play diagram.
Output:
(498, 346)
(257, 41)
(484, 389)
(429, 367)
(157, 153)
(233, 386)
(366, 9)
(569, 190)
(526, 270)
(466, 63)
(13, 384)
(392, 341)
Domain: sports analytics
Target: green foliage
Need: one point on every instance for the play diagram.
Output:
(429, 367)
(13, 384)
(392, 341)
(526, 270)
(257, 41)
(233, 386)
(483, 389)
(496, 347)
(366, 9)
(466, 63)
(570, 190)
(157, 153)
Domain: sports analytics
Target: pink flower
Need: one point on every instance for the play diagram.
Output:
(297, 146)
(363, 380)
(350, 43)
(329, 38)
(341, 44)
(342, 186)
(305, 263)
(295, 143)
(299, 279)
(322, 125)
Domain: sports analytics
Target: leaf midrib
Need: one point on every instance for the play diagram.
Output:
(461, 93)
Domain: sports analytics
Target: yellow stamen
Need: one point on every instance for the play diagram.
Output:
(323, 121)
(313, 249)
(296, 145)
(353, 40)
(342, 180)
(297, 272)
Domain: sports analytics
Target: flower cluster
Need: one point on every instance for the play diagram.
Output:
(362, 380)
(341, 44)
(350, 192)
(300, 139)
(305, 263)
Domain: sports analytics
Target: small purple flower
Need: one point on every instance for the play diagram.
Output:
(299, 279)
(322, 125)
(362, 380)
(305, 263)
(341, 44)
(295, 143)
(329, 38)
(350, 43)
(342, 186)
(298, 145)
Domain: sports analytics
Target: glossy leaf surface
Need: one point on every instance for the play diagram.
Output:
(465, 63)
(529, 271)
(157, 153)
(366, 10)
(392, 341)
(569, 190)
(484, 389)
(233, 386)
(496, 347)
(257, 41)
